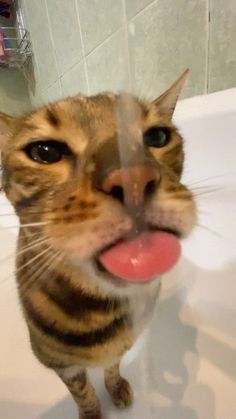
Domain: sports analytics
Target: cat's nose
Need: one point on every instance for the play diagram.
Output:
(132, 185)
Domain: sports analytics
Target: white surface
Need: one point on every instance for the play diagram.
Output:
(207, 105)
(187, 369)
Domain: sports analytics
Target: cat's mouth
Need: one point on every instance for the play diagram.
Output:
(141, 257)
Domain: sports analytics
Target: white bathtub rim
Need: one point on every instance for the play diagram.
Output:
(206, 105)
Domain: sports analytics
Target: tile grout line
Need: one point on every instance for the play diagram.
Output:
(142, 10)
(50, 85)
(83, 48)
(71, 68)
(104, 41)
(54, 49)
(119, 28)
(207, 68)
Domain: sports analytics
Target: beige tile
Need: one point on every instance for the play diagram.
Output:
(135, 6)
(66, 33)
(36, 16)
(14, 96)
(38, 98)
(54, 92)
(33, 80)
(74, 81)
(99, 19)
(163, 44)
(222, 60)
(31, 70)
(107, 68)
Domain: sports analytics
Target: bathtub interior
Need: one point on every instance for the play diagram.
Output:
(186, 368)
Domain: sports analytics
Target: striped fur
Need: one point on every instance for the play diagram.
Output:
(78, 316)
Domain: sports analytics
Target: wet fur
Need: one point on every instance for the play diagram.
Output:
(77, 316)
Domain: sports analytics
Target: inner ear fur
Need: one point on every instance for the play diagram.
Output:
(166, 103)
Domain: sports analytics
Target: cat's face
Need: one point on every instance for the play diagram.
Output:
(62, 168)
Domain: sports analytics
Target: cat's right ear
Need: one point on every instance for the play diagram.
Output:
(166, 103)
(6, 123)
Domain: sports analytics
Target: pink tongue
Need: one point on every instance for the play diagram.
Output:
(142, 258)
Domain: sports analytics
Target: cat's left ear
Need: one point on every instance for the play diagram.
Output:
(6, 123)
(166, 103)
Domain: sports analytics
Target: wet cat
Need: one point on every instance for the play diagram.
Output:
(75, 202)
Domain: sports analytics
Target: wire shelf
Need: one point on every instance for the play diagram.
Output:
(16, 47)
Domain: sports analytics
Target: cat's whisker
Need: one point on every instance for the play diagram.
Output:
(35, 237)
(203, 193)
(39, 241)
(44, 269)
(25, 249)
(32, 270)
(38, 264)
(22, 227)
(210, 230)
(8, 214)
(33, 245)
(195, 182)
(28, 263)
(34, 224)
(11, 213)
(33, 259)
(53, 261)
(28, 213)
(207, 188)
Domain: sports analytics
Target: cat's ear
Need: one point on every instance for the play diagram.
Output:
(166, 103)
(6, 123)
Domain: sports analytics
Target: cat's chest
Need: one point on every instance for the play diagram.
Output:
(142, 305)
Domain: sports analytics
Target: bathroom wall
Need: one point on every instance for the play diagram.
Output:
(14, 96)
(80, 45)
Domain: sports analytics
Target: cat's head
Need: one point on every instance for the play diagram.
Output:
(62, 169)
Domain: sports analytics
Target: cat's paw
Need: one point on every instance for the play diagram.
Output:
(122, 394)
(94, 415)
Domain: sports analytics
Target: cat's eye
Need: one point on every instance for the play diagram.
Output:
(156, 137)
(47, 152)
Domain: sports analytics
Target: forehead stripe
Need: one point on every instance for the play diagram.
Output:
(52, 118)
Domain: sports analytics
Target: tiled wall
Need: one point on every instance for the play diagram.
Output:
(14, 96)
(80, 45)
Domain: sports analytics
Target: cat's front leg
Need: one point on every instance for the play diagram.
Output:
(118, 387)
(82, 391)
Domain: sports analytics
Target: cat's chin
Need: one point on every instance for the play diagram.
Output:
(138, 259)
(100, 276)
(108, 276)
(114, 285)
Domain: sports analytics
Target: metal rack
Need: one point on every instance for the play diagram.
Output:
(18, 47)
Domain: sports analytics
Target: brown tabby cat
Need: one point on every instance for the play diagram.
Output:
(62, 173)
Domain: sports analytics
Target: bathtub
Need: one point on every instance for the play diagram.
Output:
(187, 366)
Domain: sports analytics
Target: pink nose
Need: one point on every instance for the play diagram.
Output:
(131, 184)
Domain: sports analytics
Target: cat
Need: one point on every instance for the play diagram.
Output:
(62, 174)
